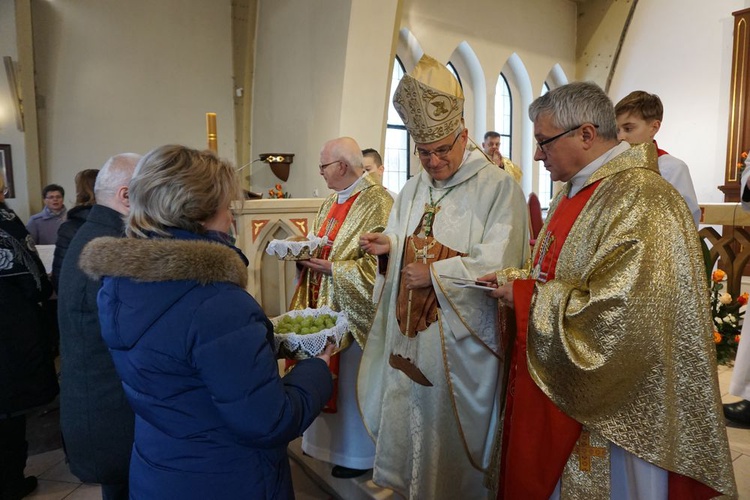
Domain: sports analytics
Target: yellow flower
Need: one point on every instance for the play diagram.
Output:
(725, 299)
(718, 276)
(717, 337)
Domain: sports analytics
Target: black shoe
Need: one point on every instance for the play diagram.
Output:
(21, 489)
(738, 413)
(346, 472)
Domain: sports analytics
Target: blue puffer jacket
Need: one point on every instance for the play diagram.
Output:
(194, 351)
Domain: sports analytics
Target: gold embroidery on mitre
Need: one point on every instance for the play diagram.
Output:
(429, 101)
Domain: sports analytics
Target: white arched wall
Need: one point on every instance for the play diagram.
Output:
(556, 77)
(522, 93)
(466, 62)
(408, 49)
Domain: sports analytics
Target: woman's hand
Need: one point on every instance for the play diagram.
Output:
(327, 353)
(375, 243)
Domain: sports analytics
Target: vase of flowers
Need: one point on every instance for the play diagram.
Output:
(278, 192)
(727, 316)
(741, 164)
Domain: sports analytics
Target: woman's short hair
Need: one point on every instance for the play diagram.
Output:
(176, 186)
(85, 181)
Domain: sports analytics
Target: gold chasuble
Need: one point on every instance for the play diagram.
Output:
(431, 374)
(349, 288)
(614, 345)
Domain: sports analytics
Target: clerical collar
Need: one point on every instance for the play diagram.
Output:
(578, 180)
(345, 194)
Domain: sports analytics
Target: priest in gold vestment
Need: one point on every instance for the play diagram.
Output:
(342, 278)
(431, 371)
(613, 389)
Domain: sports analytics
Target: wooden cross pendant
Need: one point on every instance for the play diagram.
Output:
(421, 253)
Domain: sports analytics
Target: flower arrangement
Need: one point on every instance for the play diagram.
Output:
(727, 318)
(278, 192)
(741, 163)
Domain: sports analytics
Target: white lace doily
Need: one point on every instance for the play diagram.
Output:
(295, 250)
(296, 346)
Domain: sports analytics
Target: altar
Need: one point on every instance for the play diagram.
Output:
(270, 280)
(730, 247)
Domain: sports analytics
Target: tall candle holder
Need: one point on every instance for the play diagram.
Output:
(211, 132)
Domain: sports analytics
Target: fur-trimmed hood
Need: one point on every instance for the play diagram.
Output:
(163, 259)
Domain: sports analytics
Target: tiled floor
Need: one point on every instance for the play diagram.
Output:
(56, 482)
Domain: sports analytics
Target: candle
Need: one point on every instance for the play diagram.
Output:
(211, 131)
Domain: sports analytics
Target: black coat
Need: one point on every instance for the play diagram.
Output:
(95, 418)
(76, 217)
(27, 370)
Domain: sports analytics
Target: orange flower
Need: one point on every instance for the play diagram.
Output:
(742, 299)
(718, 276)
(717, 337)
(278, 186)
(279, 195)
(737, 339)
(271, 192)
(744, 155)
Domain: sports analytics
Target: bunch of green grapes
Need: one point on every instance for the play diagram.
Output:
(303, 325)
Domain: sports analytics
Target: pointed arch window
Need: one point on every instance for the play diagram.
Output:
(454, 72)
(545, 181)
(397, 142)
(504, 115)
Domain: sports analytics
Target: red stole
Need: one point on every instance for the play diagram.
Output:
(330, 228)
(659, 152)
(538, 437)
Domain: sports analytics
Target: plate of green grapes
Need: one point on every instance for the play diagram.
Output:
(305, 333)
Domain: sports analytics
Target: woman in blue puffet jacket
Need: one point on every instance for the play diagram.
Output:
(193, 348)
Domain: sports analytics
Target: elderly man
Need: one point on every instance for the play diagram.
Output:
(342, 277)
(613, 387)
(432, 372)
(491, 147)
(95, 418)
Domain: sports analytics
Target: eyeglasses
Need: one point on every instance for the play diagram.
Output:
(53, 197)
(440, 152)
(324, 166)
(541, 144)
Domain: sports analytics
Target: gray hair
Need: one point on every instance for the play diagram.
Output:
(347, 150)
(116, 173)
(575, 104)
(176, 186)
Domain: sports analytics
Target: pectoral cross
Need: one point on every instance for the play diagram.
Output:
(421, 253)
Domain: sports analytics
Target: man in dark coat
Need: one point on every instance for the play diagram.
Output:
(95, 418)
